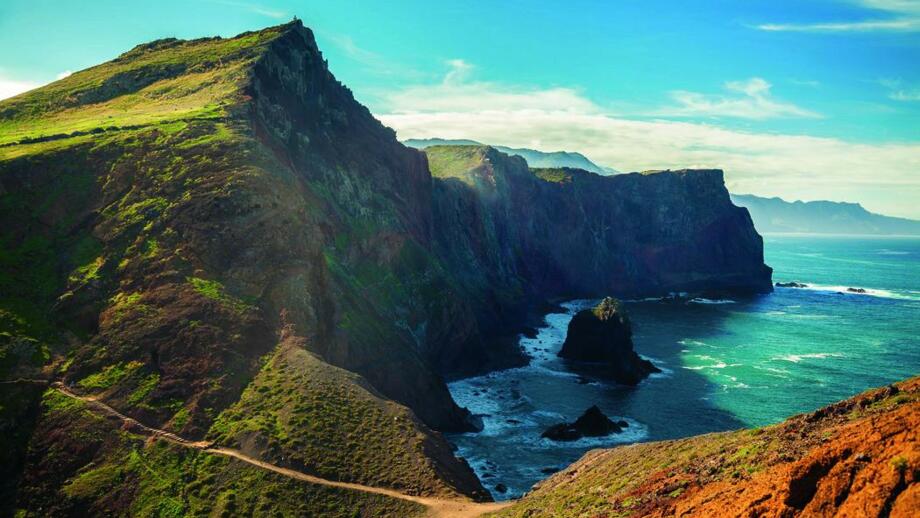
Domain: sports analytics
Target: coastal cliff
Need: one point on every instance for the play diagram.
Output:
(193, 226)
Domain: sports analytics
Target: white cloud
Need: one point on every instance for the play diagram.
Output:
(905, 24)
(898, 92)
(11, 87)
(882, 176)
(752, 100)
(62, 75)
(456, 93)
(900, 16)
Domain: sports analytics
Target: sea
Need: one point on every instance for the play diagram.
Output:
(726, 364)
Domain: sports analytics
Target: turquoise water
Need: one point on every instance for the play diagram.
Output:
(727, 364)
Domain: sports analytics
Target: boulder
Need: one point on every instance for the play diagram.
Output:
(603, 335)
(593, 423)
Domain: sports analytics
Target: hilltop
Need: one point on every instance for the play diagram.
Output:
(535, 158)
(213, 238)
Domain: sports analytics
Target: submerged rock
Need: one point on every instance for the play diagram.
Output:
(593, 423)
(603, 334)
(856, 290)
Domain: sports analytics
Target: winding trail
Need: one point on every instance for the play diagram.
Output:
(437, 507)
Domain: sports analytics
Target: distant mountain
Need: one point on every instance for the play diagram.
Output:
(536, 159)
(821, 217)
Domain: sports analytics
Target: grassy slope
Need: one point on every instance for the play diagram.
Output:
(93, 468)
(715, 471)
(109, 234)
(461, 162)
(157, 82)
(302, 412)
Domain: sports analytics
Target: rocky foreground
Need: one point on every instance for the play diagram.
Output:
(859, 457)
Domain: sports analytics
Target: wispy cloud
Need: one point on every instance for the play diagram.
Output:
(13, 87)
(62, 75)
(749, 99)
(899, 92)
(254, 8)
(897, 16)
(793, 166)
(456, 93)
(811, 83)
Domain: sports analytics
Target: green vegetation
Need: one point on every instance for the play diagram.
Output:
(109, 376)
(323, 418)
(215, 291)
(456, 161)
(553, 174)
(159, 82)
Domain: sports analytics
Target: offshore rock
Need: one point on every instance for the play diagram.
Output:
(603, 334)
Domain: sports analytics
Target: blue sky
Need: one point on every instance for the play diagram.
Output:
(804, 99)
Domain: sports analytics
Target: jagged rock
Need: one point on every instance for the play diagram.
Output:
(791, 284)
(593, 423)
(604, 335)
(856, 290)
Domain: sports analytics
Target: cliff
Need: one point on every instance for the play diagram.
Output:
(859, 457)
(214, 238)
(568, 232)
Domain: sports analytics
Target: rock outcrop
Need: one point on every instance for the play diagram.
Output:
(593, 423)
(603, 334)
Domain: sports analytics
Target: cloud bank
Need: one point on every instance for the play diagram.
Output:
(882, 176)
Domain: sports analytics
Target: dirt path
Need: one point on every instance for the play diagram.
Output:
(437, 507)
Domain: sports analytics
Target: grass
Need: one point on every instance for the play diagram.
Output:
(214, 290)
(132, 477)
(109, 376)
(553, 174)
(322, 419)
(151, 84)
(455, 161)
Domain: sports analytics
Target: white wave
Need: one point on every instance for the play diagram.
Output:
(867, 292)
(796, 358)
(885, 251)
(700, 300)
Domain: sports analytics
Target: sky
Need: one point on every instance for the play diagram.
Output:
(803, 99)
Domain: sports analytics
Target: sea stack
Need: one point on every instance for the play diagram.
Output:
(603, 334)
(593, 423)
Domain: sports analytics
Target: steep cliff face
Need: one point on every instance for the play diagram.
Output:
(567, 232)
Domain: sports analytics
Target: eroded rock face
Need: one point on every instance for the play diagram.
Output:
(603, 335)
